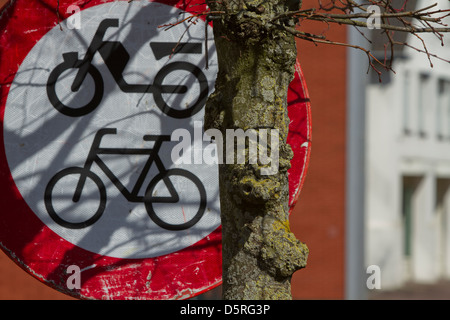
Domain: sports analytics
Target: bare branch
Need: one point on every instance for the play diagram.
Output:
(414, 21)
(427, 19)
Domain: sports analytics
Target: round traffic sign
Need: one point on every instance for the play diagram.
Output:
(94, 203)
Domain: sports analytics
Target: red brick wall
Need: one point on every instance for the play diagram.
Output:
(319, 216)
(16, 284)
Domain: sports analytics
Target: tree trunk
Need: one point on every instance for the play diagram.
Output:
(256, 66)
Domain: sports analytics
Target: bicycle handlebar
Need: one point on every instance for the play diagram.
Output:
(148, 137)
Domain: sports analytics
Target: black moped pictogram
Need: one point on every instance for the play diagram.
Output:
(116, 59)
(150, 198)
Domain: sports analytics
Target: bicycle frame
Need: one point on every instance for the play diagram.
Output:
(153, 157)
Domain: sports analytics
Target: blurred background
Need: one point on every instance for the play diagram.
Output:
(377, 192)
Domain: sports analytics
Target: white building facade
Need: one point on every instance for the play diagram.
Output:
(407, 165)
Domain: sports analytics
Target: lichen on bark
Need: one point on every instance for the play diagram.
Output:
(256, 65)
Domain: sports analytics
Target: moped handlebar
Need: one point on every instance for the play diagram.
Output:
(152, 137)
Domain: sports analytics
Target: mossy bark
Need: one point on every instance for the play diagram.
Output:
(256, 65)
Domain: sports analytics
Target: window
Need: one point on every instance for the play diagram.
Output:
(424, 92)
(443, 110)
(409, 188)
(406, 112)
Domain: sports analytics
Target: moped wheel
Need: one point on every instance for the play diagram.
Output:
(53, 200)
(71, 62)
(199, 95)
(178, 212)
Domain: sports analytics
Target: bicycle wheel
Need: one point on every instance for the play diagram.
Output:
(178, 218)
(71, 62)
(50, 201)
(190, 107)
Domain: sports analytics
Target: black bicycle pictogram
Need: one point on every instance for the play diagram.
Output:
(116, 59)
(150, 198)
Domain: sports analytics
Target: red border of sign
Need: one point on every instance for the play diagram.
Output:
(46, 256)
(299, 135)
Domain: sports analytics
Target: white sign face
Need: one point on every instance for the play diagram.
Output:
(87, 130)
